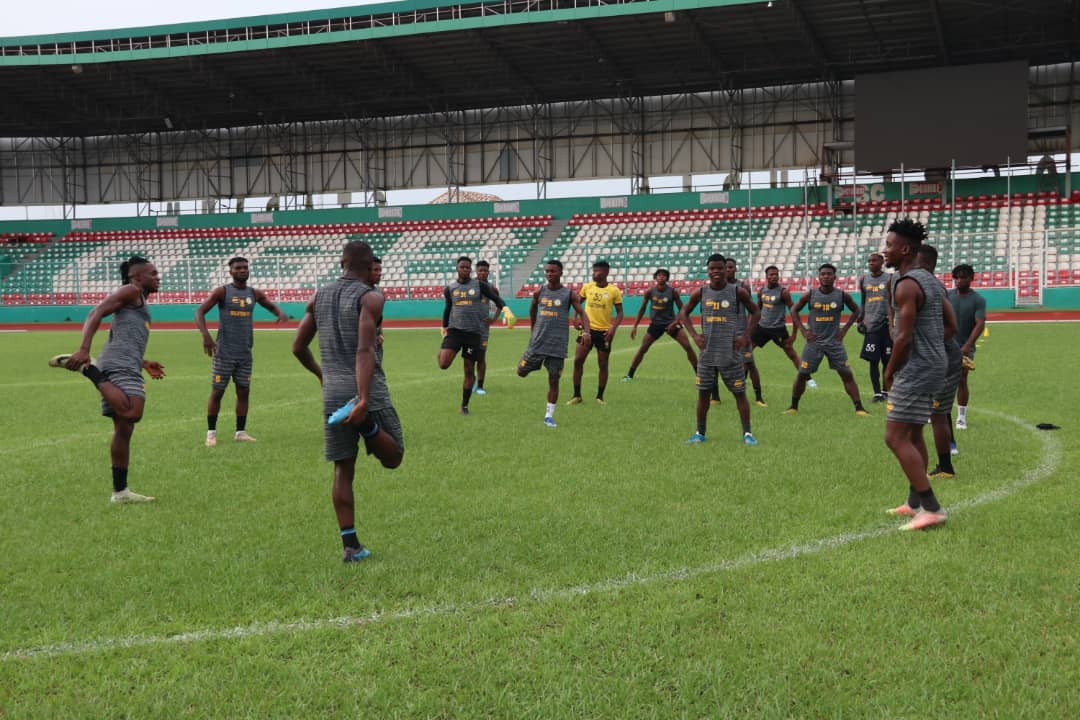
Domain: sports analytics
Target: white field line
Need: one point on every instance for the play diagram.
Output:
(1048, 463)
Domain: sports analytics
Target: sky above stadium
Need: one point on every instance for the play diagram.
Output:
(59, 16)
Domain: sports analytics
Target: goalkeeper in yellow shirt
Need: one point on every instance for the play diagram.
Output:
(600, 298)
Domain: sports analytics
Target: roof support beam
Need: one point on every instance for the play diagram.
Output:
(809, 35)
(939, 28)
(697, 33)
(517, 75)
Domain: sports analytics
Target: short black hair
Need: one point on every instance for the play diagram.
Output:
(665, 272)
(716, 257)
(237, 259)
(963, 270)
(827, 265)
(602, 264)
(482, 263)
(929, 255)
(357, 254)
(731, 260)
(913, 232)
(771, 267)
(466, 258)
(556, 263)
(376, 259)
(127, 265)
(877, 254)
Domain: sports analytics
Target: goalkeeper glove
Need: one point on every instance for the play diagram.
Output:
(509, 317)
(969, 363)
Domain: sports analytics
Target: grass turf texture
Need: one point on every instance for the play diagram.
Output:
(602, 569)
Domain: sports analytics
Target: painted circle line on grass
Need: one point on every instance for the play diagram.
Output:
(1051, 458)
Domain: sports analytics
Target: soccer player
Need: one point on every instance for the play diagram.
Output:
(941, 407)
(346, 315)
(464, 320)
(550, 316)
(874, 320)
(232, 351)
(970, 309)
(721, 348)
(600, 297)
(824, 336)
(916, 370)
(117, 373)
(775, 301)
(659, 299)
(740, 328)
(483, 271)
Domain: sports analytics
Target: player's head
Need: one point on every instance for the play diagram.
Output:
(239, 268)
(356, 258)
(661, 276)
(772, 275)
(600, 270)
(376, 270)
(827, 275)
(875, 262)
(732, 267)
(903, 241)
(464, 268)
(962, 276)
(140, 272)
(717, 268)
(553, 271)
(483, 270)
(926, 257)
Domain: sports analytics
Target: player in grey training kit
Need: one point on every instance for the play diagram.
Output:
(662, 300)
(875, 321)
(346, 315)
(740, 328)
(916, 370)
(464, 320)
(824, 336)
(117, 374)
(232, 350)
(483, 272)
(970, 309)
(720, 344)
(941, 406)
(549, 315)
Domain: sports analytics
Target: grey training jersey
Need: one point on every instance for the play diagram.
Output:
(740, 318)
(235, 337)
(968, 308)
(875, 298)
(128, 334)
(825, 309)
(552, 330)
(720, 310)
(953, 357)
(662, 305)
(468, 306)
(925, 368)
(773, 308)
(337, 312)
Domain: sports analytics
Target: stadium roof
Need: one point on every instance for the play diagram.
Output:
(424, 56)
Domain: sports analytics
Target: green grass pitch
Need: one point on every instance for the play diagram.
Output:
(603, 569)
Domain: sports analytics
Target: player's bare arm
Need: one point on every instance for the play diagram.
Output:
(216, 297)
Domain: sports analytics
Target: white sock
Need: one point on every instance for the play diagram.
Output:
(211, 433)
(550, 410)
(962, 415)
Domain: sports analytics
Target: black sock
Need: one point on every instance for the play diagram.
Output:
(929, 502)
(480, 383)
(795, 402)
(577, 390)
(630, 372)
(241, 422)
(875, 378)
(94, 374)
(746, 427)
(211, 422)
(466, 393)
(757, 395)
(701, 428)
(119, 479)
(913, 500)
(944, 462)
(600, 392)
(858, 406)
(715, 395)
(349, 539)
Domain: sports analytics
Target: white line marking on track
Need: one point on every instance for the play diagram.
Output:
(1048, 463)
